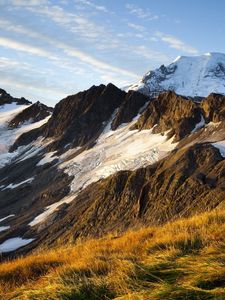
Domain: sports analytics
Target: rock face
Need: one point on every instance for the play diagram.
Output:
(129, 109)
(189, 76)
(214, 108)
(170, 112)
(187, 182)
(67, 178)
(180, 115)
(32, 114)
(6, 98)
(79, 119)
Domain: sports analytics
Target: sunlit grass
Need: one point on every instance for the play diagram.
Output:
(181, 260)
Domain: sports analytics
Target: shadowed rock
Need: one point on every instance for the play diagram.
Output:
(129, 109)
(32, 114)
(6, 98)
(78, 119)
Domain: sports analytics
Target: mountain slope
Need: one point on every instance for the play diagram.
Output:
(189, 76)
(180, 260)
(18, 116)
(107, 160)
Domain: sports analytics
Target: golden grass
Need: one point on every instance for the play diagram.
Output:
(180, 260)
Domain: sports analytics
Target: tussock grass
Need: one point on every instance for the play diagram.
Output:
(184, 259)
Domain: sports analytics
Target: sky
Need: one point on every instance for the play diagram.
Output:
(52, 48)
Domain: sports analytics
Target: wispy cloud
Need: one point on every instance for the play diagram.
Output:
(31, 88)
(25, 2)
(141, 13)
(69, 50)
(77, 23)
(79, 42)
(92, 5)
(100, 65)
(6, 63)
(19, 46)
(136, 27)
(150, 54)
(176, 43)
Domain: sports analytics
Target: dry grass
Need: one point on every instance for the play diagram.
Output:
(181, 260)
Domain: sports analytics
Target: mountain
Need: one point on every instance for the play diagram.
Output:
(106, 160)
(194, 76)
(18, 115)
(6, 98)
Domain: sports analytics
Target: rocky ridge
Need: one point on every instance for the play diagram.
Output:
(106, 161)
(6, 98)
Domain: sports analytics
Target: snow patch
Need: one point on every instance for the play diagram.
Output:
(221, 146)
(8, 137)
(14, 244)
(109, 123)
(13, 186)
(12, 108)
(122, 149)
(49, 157)
(3, 228)
(50, 209)
(199, 125)
(7, 217)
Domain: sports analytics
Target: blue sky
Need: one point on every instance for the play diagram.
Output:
(49, 49)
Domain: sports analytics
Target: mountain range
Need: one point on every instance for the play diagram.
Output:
(106, 160)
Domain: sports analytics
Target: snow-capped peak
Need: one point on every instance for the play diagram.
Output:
(187, 75)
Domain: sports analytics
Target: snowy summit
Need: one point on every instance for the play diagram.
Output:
(187, 75)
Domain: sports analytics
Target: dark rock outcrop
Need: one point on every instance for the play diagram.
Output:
(129, 109)
(26, 138)
(6, 98)
(78, 119)
(170, 112)
(33, 113)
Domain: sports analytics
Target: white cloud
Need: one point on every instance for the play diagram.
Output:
(33, 91)
(91, 4)
(136, 27)
(25, 2)
(141, 13)
(150, 54)
(96, 64)
(100, 65)
(22, 83)
(6, 63)
(77, 24)
(176, 43)
(55, 13)
(153, 39)
(19, 46)
(101, 54)
(106, 78)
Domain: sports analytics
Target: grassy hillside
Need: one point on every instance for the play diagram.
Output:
(181, 260)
